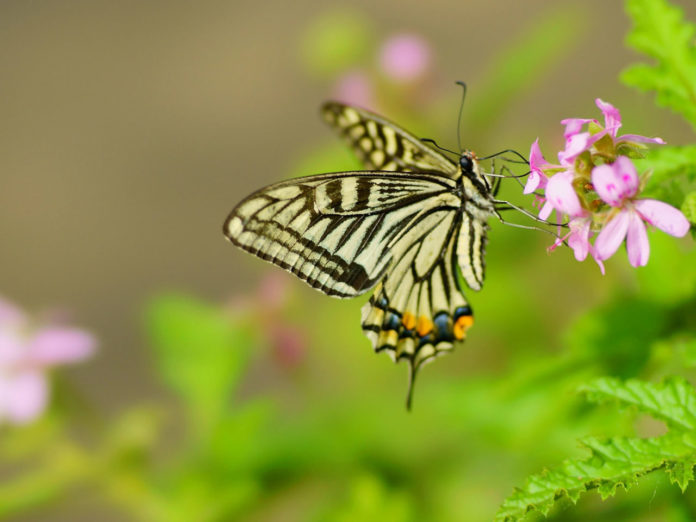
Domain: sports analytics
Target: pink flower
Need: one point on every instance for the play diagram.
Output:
(405, 57)
(288, 345)
(617, 214)
(26, 355)
(355, 88)
(578, 142)
(537, 179)
(617, 184)
(561, 195)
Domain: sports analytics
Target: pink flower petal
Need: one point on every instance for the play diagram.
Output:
(545, 211)
(637, 244)
(534, 181)
(537, 178)
(405, 57)
(612, 117)
(611, 236)
(10, 314)
(561, 194)
(574, 125)
(616, 182)
(593, 253)
(12, 348)
(579, 238)
(576, 145)
(663, 216)
(55, 345)
(24, 396)
(635, 138)
(606, 185)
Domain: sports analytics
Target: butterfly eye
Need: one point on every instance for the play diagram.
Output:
(465, 163)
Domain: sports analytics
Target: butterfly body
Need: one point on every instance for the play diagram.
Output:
(402, 228)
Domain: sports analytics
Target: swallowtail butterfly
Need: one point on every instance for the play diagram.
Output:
(402, 228)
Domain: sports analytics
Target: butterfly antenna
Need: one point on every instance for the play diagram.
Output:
(523, 160)
(459, 119)
(411, 381)
(429, 140)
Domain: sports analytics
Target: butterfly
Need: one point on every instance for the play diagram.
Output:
(412, 228)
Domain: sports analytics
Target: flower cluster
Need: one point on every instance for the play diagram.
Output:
(596, 186)
(26, 354)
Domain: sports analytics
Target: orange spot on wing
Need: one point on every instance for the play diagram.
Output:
(462, 325)
(425, 326)
(409, 320)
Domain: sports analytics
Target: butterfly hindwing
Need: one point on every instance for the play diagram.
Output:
(383, 145)
(418, 310)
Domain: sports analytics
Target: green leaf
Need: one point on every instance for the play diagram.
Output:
(669, 278)
(672, 401)
(200, 352)
(660, 32)
(619, 461)
(689, 206)
(619, 335)
(615, 462)
(673, 172)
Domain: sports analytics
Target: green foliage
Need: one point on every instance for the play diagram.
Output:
(200, 353)
(689, 206)
(368, 500)
(619, 461)
(661, 32)
(519, 66)
(335, 41)
(673, 173)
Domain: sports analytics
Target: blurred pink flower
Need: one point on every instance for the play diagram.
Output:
(405, 57)
(26, 355)
(288, 344)
(617, 184)
(272, 294)
(355, 88)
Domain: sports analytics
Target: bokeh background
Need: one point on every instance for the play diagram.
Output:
(128, 130)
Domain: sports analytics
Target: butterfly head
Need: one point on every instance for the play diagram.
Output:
(470, 171)
(468, 163)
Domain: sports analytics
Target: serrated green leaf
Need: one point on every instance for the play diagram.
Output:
(672, 401)
(619, 461)
(661, 32)
(681, 472)
(612, 463)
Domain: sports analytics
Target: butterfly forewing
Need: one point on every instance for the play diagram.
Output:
(335, 231)
(383, 145)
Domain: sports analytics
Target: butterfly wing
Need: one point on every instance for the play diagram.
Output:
(418, 310)
(338, 231)
(382, 145)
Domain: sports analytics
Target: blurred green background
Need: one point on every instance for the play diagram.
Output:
(130, 129)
